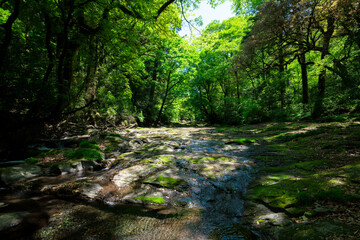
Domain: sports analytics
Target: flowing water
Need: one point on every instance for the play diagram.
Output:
(212, 171)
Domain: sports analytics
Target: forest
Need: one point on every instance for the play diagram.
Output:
(114, 126)
(112, 62)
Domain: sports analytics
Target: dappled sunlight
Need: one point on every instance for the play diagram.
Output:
(336, 182)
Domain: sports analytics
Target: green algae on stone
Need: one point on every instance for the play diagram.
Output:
(150, 199)
(167, 182)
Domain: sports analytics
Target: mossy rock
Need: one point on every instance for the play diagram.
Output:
(92, 144)
(316, 230)
(284, 191)
(167, 182)
(295, 211)
(242, 141)
(307, 166)
(157, 200)
(84, 153)
(200, 160)
(32, 160)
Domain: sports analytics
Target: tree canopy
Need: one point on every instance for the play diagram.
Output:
(113, 62)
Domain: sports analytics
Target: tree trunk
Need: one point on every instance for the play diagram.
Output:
(318, 107)
(8, 33)
(304, 78)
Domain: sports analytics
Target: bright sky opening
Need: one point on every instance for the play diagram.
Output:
(209, 14)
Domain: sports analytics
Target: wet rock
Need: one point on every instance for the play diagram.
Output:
(91, 190)
(129, 175)
(72, 141)
(91, 165)
(230, 204)
(85, 165)
(66, 168)
(13, 174)
(169, 178)
(275, 219)
(9, 220)
(53, 171)
(2, 204)
(117, 145)
(252, 213)
(135, 144)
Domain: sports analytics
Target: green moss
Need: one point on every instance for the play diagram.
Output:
(283, 128)
(279, 147)
(84, 153)
(285, 190)
(150, 199)
(210, 159)
(244, 140)
(276, 128)
(31, 160)
(220, 130)
(166, 181)
(89, 144)
(296, 211)
(113, 134)
(333, 194)
(51, 152)
(289, 137)
(308, 166)
(165, 159)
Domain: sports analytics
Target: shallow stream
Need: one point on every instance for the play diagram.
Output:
(212, 173)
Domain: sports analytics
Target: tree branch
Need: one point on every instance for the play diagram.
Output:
(81, 108)
(163, 7)
(133, 14)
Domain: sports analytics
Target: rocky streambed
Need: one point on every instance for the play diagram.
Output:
(145, 183)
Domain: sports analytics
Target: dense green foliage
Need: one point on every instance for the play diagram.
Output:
(290, 59)
(111, 62)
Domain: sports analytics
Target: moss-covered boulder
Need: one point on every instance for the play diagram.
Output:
(85, 153)
(168, 178)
